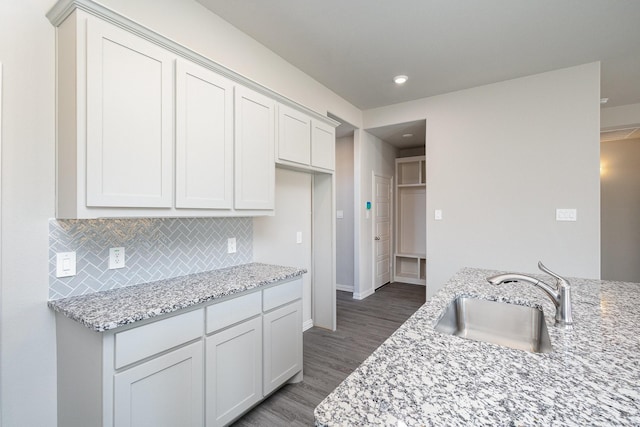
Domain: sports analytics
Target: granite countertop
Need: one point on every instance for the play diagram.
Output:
(420, 377)
(102, 311)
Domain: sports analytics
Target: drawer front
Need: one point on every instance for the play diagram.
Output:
(281, 294)
(233, 311)
(144, 341)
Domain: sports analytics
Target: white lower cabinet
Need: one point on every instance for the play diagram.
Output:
(205, 366)
(164, 392)
(282, 347)
(234, 371)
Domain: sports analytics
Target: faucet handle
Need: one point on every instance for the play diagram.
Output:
(559, 279)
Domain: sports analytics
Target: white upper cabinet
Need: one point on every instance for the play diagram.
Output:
(149, 128)
(303, 142)
(323, 145)
(294, 135)
(204, 138)
(254, 150)
(129, 119)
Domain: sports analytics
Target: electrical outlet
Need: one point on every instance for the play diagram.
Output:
(116, 258)
(231, 245)
(65, 264)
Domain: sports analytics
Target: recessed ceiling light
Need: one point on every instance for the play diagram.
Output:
(604, 100)
(407, 135)
(400, 79)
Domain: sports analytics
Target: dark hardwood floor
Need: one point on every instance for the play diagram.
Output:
(329, 357)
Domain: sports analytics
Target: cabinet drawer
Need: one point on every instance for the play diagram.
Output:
(233, 311)
(281, 294)
(137, 343)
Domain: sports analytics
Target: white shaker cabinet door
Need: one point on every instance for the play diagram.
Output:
(164, 392)
(294, 136)
(204, 138)
(255, 172)
(323, 146)
(282, 345)
(129, 119)
(234, 371)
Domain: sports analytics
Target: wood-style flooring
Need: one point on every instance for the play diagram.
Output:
(329, 357)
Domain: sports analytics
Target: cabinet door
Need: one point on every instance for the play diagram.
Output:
(165, 391)
(294, 136)
(129, 119)
(255, 172)
(204, 138)
(323, 146)
(282, 345)
(234, 371)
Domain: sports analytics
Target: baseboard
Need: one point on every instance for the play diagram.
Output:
(307, 324)
(346, 288)
(363, 295)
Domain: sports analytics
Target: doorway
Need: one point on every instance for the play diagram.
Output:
(620, 204)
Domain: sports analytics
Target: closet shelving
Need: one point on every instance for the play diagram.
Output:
(410, 236)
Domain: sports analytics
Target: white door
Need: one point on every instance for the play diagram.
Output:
(234, 371)
(166, 391)
(294, 135)
(282, 345)
(129, 119)
(323, 145)
(255, 170)
(204, 138)
(382, 230)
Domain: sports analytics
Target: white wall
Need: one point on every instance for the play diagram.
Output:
(500, 159)
(344, 203)
(371, 154)
(620, 181)
(274, 237)
(27, 371)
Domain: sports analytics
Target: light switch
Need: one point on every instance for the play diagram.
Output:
(566, 214)
(437, 214)
(65, 264)
(299, 237)
(339, 214)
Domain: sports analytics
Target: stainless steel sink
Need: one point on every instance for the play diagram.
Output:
(509, 325)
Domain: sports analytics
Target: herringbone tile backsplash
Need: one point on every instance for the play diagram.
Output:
(154, 249)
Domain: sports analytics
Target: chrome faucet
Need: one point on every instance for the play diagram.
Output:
(560, 294)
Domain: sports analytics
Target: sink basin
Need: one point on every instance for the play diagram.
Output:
(509, 325)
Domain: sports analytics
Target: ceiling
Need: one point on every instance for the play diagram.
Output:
(355, 47)
(402, 135)
(619, 134)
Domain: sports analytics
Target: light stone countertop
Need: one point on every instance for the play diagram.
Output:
(419, 377)
(102, 311)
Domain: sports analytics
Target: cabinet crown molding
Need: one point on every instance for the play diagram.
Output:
(63, 8)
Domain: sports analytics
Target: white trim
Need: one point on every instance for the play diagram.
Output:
(345, 288)
(63, 8)
(307, 324)
(363, 295)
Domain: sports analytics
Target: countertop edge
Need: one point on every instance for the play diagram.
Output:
(166, 307)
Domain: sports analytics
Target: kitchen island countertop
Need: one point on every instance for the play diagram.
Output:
(102, 311)
(421, 377)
